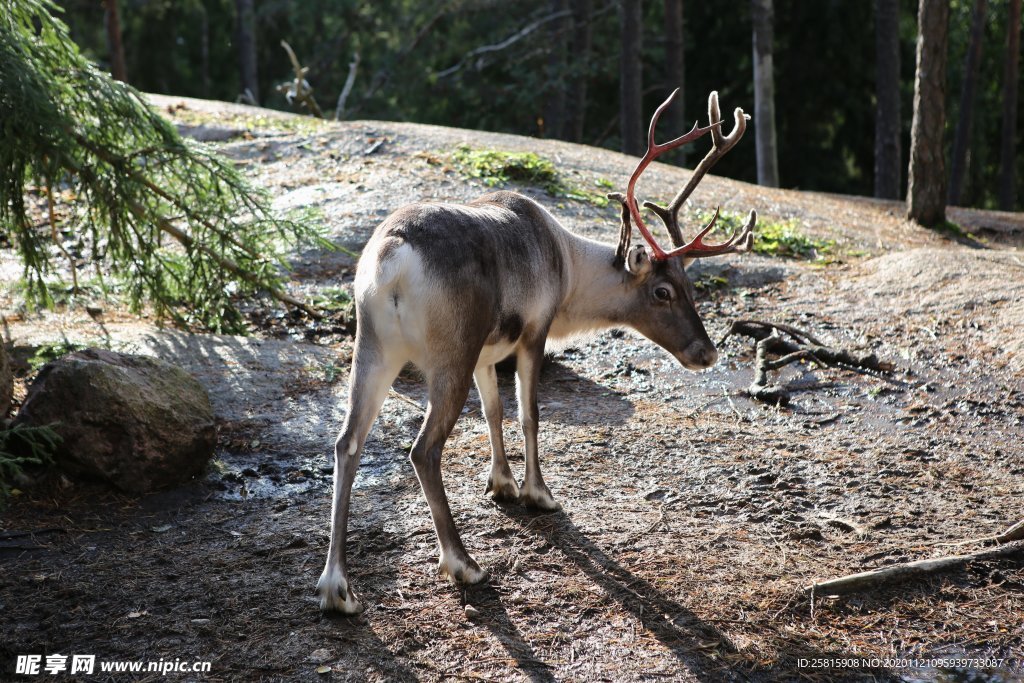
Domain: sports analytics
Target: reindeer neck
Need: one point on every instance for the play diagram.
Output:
(597, 295)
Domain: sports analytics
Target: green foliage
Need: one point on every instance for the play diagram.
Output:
(772, 238)
(21, 447)
(327, 372)
(785, 239)
(246, 120)
(981, 181)
(710, 283)
(496, 168)
(824, 64)
(726, 224)
(950, 228)
(176, 224)
(955, 232)
(332, 299)
(52, 351)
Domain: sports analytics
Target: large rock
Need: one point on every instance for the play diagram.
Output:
(136, 422)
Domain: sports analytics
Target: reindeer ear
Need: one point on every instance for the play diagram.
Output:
(637, 260)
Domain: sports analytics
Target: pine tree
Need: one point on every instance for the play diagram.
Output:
(926, 182)
(887, 98)
(958, 164)
(764, 93)
(1008, 139)
(631, 89)
(176, 225)
(675, 67)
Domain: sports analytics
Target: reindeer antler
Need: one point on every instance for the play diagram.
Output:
(721, 144)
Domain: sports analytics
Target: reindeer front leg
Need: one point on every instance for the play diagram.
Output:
(501, 485)
(534, 492)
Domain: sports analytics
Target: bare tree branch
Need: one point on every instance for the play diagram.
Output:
(496, 47)
(383, 75)
(339, 110)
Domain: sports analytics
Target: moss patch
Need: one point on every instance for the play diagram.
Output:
(303, 125)
(785, 239)
(496, 168)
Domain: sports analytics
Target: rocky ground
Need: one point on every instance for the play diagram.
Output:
(693, 516)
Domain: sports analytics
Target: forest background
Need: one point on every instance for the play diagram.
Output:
(561, 69)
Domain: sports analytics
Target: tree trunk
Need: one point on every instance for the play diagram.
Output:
(958, 167)
(1007, 145)
(112, 19)
(204, 51)
(676, 74)
(631, 77)
(926, 187)
(554, 102)
(6, 382)
(887, 88)
(246, 38)
(764, 94)
(576, 106)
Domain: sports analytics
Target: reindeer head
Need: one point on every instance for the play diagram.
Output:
(663, 303)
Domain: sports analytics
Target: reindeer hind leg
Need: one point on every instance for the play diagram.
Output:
(373, 371)
(448, 389)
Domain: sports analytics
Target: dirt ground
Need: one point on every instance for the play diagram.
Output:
(693, 516)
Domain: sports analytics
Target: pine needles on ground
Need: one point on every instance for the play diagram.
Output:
(177, 225)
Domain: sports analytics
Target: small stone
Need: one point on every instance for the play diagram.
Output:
(472, 612)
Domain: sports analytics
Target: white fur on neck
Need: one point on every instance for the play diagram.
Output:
(593, 281)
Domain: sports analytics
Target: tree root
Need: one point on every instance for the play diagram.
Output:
(773, 351)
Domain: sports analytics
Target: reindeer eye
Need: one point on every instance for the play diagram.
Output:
(662, 294)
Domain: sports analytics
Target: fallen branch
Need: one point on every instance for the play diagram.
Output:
(906, 571)
(773, 352)
(1014, 533)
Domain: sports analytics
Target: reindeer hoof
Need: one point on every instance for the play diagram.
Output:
(464, 571)
(539, 497)
(335, 594)
(502, 490)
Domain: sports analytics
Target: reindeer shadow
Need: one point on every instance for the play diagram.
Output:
(681, 632)
(564, 395)
(501, 626)
(684, 634)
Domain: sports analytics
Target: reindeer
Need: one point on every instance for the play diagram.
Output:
(457, 288)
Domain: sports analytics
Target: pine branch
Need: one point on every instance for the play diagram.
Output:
(136, 180)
